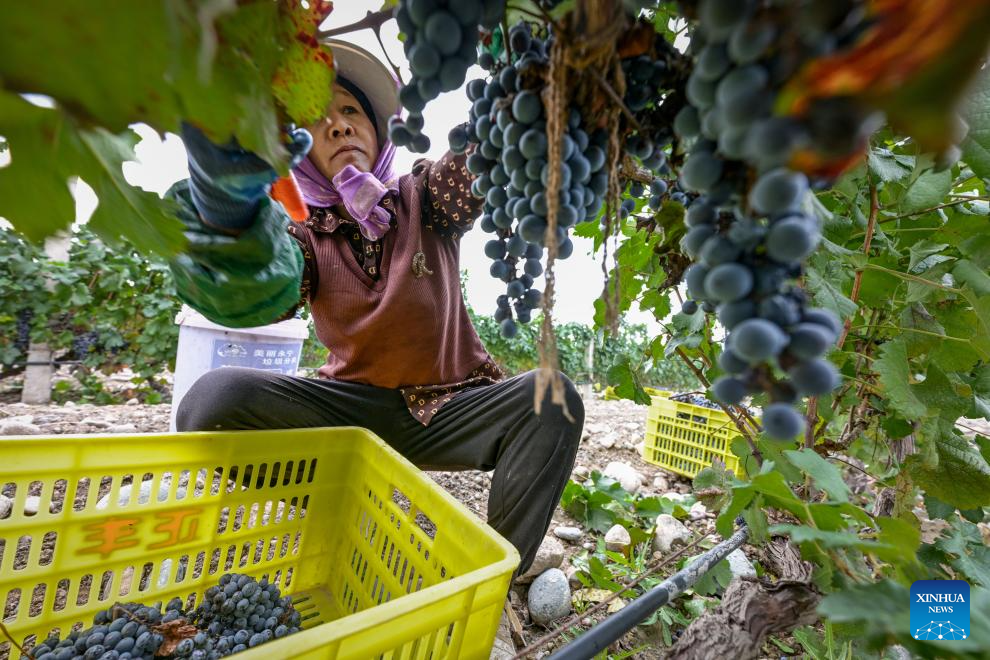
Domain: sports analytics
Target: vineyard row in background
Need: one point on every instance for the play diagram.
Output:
(112, 308)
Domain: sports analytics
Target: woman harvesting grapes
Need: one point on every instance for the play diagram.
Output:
(377, 260)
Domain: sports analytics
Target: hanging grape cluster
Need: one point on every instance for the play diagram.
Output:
(507, 123)
(749, 232)
(441, 44)
(508, 126)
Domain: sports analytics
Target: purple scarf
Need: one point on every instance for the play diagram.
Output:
(360, 192)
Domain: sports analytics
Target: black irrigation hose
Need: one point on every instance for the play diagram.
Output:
(614, 627)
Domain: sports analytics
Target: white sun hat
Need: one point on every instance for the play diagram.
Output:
(372, 77)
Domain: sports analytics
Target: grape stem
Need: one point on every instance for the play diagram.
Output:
(607, 88)
(961, 200)
(632, 171)
(811, 429)
(746, 432)
(542, 16)
(6, 633)
(373, 20)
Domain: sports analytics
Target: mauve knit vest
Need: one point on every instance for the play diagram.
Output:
(400, 330)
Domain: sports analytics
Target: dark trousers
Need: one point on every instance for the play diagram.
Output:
(491, 427)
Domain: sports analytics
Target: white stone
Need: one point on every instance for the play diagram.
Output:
(740, 565)
(549, 555)
(581, 472)
(606, 441)
(698, 511)
(569, 534)
(627, 476)
(631, 426)
(680, 498)
(122, 428)
(549, 596)
(31, 505)
(133, 402)
(124, 498)
(617, 539)
(670, 532)
(69, 404)
(590, 428)
(660, 483)
(6, 506)
(19, 428)
(94, 421)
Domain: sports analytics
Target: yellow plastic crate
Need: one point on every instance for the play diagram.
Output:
(610, 394)
(684, 438)
(380, 561)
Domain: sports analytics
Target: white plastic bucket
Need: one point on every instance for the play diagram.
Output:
(204, 346)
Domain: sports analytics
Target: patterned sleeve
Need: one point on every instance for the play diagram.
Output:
(310, 275)
(450, 208)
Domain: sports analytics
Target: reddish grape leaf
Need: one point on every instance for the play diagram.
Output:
(914, 64)
(305, 70)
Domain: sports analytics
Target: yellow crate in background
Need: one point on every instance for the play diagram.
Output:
(380, 561)
(684, 438)
(610, 394)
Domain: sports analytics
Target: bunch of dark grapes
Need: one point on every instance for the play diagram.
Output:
(441, 44)
(652, 196)
(123, 632)
(242, 613)
(695, 399)
(749, 242)
(645, 77)
(84, 343)
(507, 122)
(238, 614)
(23, 341)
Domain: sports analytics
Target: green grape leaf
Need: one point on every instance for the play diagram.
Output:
(894, 372)
(47, 149)
(921, 254)
(826, 476)
(966, 272)
(928, 190)
(715, 579)
(886, 605)
(951, 469)
(942, 396)
(927, 330)
(756, 521)
(984, 444)
(888, 166)
(626, 382)
(820, 284)
(936, 508)
(114, 64)
(827, 539)
(971, 557)
(976, 146)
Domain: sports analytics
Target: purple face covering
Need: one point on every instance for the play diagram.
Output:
(360, 192)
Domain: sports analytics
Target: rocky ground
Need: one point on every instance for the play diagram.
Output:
(611, 443)
(612, 438)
